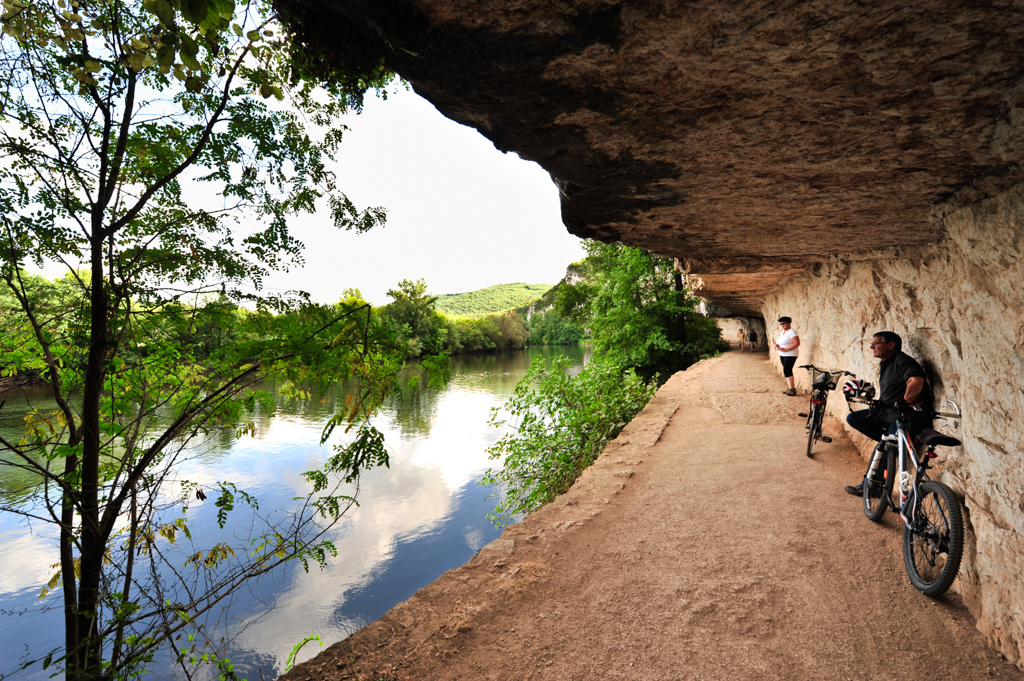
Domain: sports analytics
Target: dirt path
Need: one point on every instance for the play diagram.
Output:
(704, 544)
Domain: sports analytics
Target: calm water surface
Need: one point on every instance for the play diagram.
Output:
(424, 516)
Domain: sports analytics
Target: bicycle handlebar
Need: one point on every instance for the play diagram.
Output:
(837, 372)
(905, 409)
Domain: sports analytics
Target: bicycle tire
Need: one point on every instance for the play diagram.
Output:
(813, 427)
(876, 494)
(934, 545)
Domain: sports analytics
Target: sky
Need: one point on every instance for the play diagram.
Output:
(461, 214)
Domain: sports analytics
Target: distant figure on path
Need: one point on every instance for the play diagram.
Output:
(787, 345)
(741, 339)
(752, 339)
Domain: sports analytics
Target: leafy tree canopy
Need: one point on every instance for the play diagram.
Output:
(638, 311)
(158, 150)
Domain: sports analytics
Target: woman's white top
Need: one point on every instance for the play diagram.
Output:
(787, 339)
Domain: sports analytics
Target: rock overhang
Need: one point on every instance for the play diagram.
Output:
(748, 140)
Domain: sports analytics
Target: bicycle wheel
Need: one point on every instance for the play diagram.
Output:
(934, 544)
(877, 493)
(813, 426)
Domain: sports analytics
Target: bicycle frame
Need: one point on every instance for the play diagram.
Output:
(906, 450)
(907, 492)
(821, 384)
(933, 526)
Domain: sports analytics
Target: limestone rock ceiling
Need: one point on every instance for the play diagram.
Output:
(749, 140)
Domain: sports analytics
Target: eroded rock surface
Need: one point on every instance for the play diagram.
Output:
(747, 139)
(959, 305)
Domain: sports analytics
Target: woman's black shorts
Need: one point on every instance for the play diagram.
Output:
(787, 365)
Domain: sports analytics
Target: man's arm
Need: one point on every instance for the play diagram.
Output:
(915, 384)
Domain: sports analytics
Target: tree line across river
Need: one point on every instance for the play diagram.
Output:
(411, 323)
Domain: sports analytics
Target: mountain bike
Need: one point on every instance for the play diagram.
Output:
(933, 525)
(822, 382)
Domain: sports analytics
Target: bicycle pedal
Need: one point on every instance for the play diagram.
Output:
(826, 439)
(802, 415)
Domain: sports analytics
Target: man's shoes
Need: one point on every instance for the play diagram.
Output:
(791, 392)
(855, 490)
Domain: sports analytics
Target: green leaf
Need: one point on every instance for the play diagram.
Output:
(223, 8)
(165, 55)
(194, 11)
(164, 12)
(188, 46)
(189, 50)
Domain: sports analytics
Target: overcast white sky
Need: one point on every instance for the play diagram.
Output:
(461, 214)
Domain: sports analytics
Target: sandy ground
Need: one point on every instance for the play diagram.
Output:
(703, 544)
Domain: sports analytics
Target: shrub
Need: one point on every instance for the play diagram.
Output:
(560, 423)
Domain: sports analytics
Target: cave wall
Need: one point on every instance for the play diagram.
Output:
(958, 303)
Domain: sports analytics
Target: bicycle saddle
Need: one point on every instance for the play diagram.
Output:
(932, 438)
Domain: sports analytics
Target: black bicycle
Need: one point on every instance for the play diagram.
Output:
(822, 381)
(933, 525)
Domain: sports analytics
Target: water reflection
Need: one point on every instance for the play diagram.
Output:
(415, 521)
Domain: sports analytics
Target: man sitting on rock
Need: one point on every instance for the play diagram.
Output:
(900, 377)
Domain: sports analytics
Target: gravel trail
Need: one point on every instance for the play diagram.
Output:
(703, 544)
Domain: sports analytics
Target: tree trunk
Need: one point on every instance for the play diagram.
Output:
(677, 278)
(67, 570)
(93, 541)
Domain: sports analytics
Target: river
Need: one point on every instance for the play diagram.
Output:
(423, 516)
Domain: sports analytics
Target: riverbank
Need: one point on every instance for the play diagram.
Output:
(703, 544)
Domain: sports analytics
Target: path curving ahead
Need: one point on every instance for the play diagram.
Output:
(703, 544)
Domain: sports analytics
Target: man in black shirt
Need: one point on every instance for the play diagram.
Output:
(900, 377)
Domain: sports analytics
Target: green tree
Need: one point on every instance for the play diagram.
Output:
(638, 311)
(559, 424)
(114, 113)
(414, 320)
(511, 332)
(551, 328)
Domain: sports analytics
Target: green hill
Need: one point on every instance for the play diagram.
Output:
(490, 300)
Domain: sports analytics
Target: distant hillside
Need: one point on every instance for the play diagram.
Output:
(490, 300)
(545, 302)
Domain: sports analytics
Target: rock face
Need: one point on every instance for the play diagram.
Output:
(750, 140)
(851, 164)
(959, 305)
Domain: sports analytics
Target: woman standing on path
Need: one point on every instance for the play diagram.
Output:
(787, 346)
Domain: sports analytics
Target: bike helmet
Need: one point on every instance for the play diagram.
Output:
(857, 388)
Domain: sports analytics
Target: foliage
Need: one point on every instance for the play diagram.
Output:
(420, 330)
(551, 328)
(638, 311)
(290, 662)
(489, 301)
(560, 425)
(644, 326)
(114, 112)
(414, 320)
